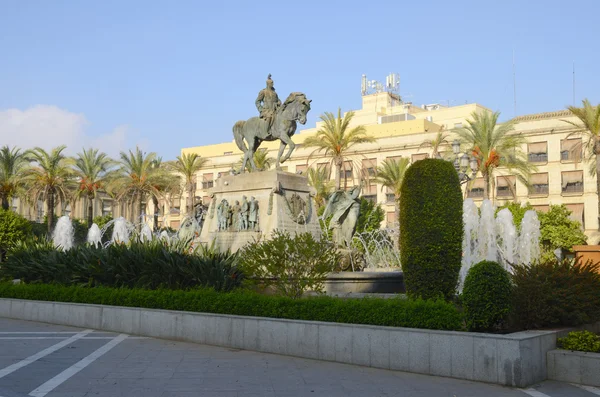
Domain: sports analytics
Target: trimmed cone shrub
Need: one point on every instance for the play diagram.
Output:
(486, 296)
(431, 229)
(13, 228)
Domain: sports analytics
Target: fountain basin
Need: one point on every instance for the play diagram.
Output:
(377, 282)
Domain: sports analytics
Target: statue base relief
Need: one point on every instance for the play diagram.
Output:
(250, 206)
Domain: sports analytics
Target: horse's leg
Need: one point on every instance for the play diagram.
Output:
(281, 149)
(286, 140)
(252, 149)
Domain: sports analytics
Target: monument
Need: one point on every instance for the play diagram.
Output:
(247, 207)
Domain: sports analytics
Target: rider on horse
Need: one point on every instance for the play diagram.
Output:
(268, 102)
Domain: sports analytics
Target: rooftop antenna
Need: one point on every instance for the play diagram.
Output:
(514, 84)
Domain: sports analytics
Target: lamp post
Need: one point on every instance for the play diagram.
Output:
(463, 162)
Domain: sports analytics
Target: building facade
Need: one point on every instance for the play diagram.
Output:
(561, 175)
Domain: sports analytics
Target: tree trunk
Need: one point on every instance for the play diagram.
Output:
(190, 199)
(90, 214)
(137, 207)
(155, 202)
(4, 202)
(338, 168)
(50, 210)
(598, 184)
(397, 210)
(486, 185)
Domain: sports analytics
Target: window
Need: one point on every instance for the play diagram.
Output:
(397, 158)
(390, 218)
(370, 192)
(326, 167)
(572, 181)
(207, 181)
(175, 205)
(476, 188)
(537, 152)
(419, 156)
(106, 207)
(506, 186)
(346, 171)
(390, 197)
(570, 149)
(40, 211)
(227, 153)
(15, 204)
(301, 168)
(539, 184)
(369, 167)
(576, 213)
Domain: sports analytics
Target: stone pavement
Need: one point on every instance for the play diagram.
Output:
(41, 360)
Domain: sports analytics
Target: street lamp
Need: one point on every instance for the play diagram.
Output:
(463, 162)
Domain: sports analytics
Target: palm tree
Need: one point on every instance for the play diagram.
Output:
(261, 159)
(493, 146)
(335, 139)
(318, 179)
(187, 165)
(390, 174)
(589, 116)
(12, 165)
(435, 143)
(92, 170)
(49, 178)
(157, 163)
(138, 178)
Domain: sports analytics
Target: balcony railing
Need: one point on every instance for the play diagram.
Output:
(538, 157)
(475, 193)
(504, 192)
(371, 197)
(390, 198)
(568, 155)
(207, 185)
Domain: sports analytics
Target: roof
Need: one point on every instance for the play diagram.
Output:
(543, 116)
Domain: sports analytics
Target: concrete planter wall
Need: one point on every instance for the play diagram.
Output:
(517, 359)
(574, 367)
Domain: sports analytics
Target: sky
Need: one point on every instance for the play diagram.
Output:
(165, 75)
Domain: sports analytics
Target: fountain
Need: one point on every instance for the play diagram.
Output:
(63, 234)
(486, 237)
(146, 234)
(470, 248)
(94, 236)
(506, 237)
(529, 246)
(121, 231)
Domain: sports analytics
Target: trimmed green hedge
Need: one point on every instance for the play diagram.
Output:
(374, 311)
(431, 227)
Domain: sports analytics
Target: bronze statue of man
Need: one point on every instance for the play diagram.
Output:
(268, 102)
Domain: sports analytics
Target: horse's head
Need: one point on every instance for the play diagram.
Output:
(299, 106)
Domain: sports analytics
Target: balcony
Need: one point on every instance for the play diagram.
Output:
(538, 190)
(571, 188)
(475, 193)
(538, 157)
(504, 191)
(207, 185)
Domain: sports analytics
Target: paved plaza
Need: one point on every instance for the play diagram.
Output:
(56, 361)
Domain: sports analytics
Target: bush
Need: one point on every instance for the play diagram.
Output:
(431, 229)
(486, 296)
(583, 341)
(292, 265)
(149, 265)
(385, 312)
(101, 221)
(13, 228)
(553, 293)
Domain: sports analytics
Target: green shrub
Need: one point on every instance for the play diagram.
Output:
(396, 312)
(553, 293)
(431, 229)
(583, 341)
(149, 265)
(13, 228)
(486, 296)
(101, 221)
(291, 265)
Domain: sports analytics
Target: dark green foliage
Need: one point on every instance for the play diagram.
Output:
(292, 265)
(101, 221)
(583, 341)
(396, 312)
(558, 230)
(148, 265)
(370, 216)
(80, 230)
(553, 293)
(517, 210)
(486, 297)
(13, 228)
(431, 229)
(39, 230)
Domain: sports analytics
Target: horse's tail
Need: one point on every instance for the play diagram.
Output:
(238, 136)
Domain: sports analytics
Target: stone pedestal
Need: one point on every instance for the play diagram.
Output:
(284, 202)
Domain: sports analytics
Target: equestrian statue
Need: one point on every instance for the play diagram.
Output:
(276, 121)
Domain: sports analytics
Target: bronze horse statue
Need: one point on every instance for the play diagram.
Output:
(256, 130)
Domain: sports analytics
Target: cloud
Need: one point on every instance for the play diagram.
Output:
(48, 126)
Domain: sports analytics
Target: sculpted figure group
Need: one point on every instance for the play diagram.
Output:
(239, 216)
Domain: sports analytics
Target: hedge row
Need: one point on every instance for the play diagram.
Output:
(396, 312)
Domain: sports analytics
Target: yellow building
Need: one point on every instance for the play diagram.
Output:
(400, 129)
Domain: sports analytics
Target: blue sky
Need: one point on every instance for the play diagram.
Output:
(167, 75)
